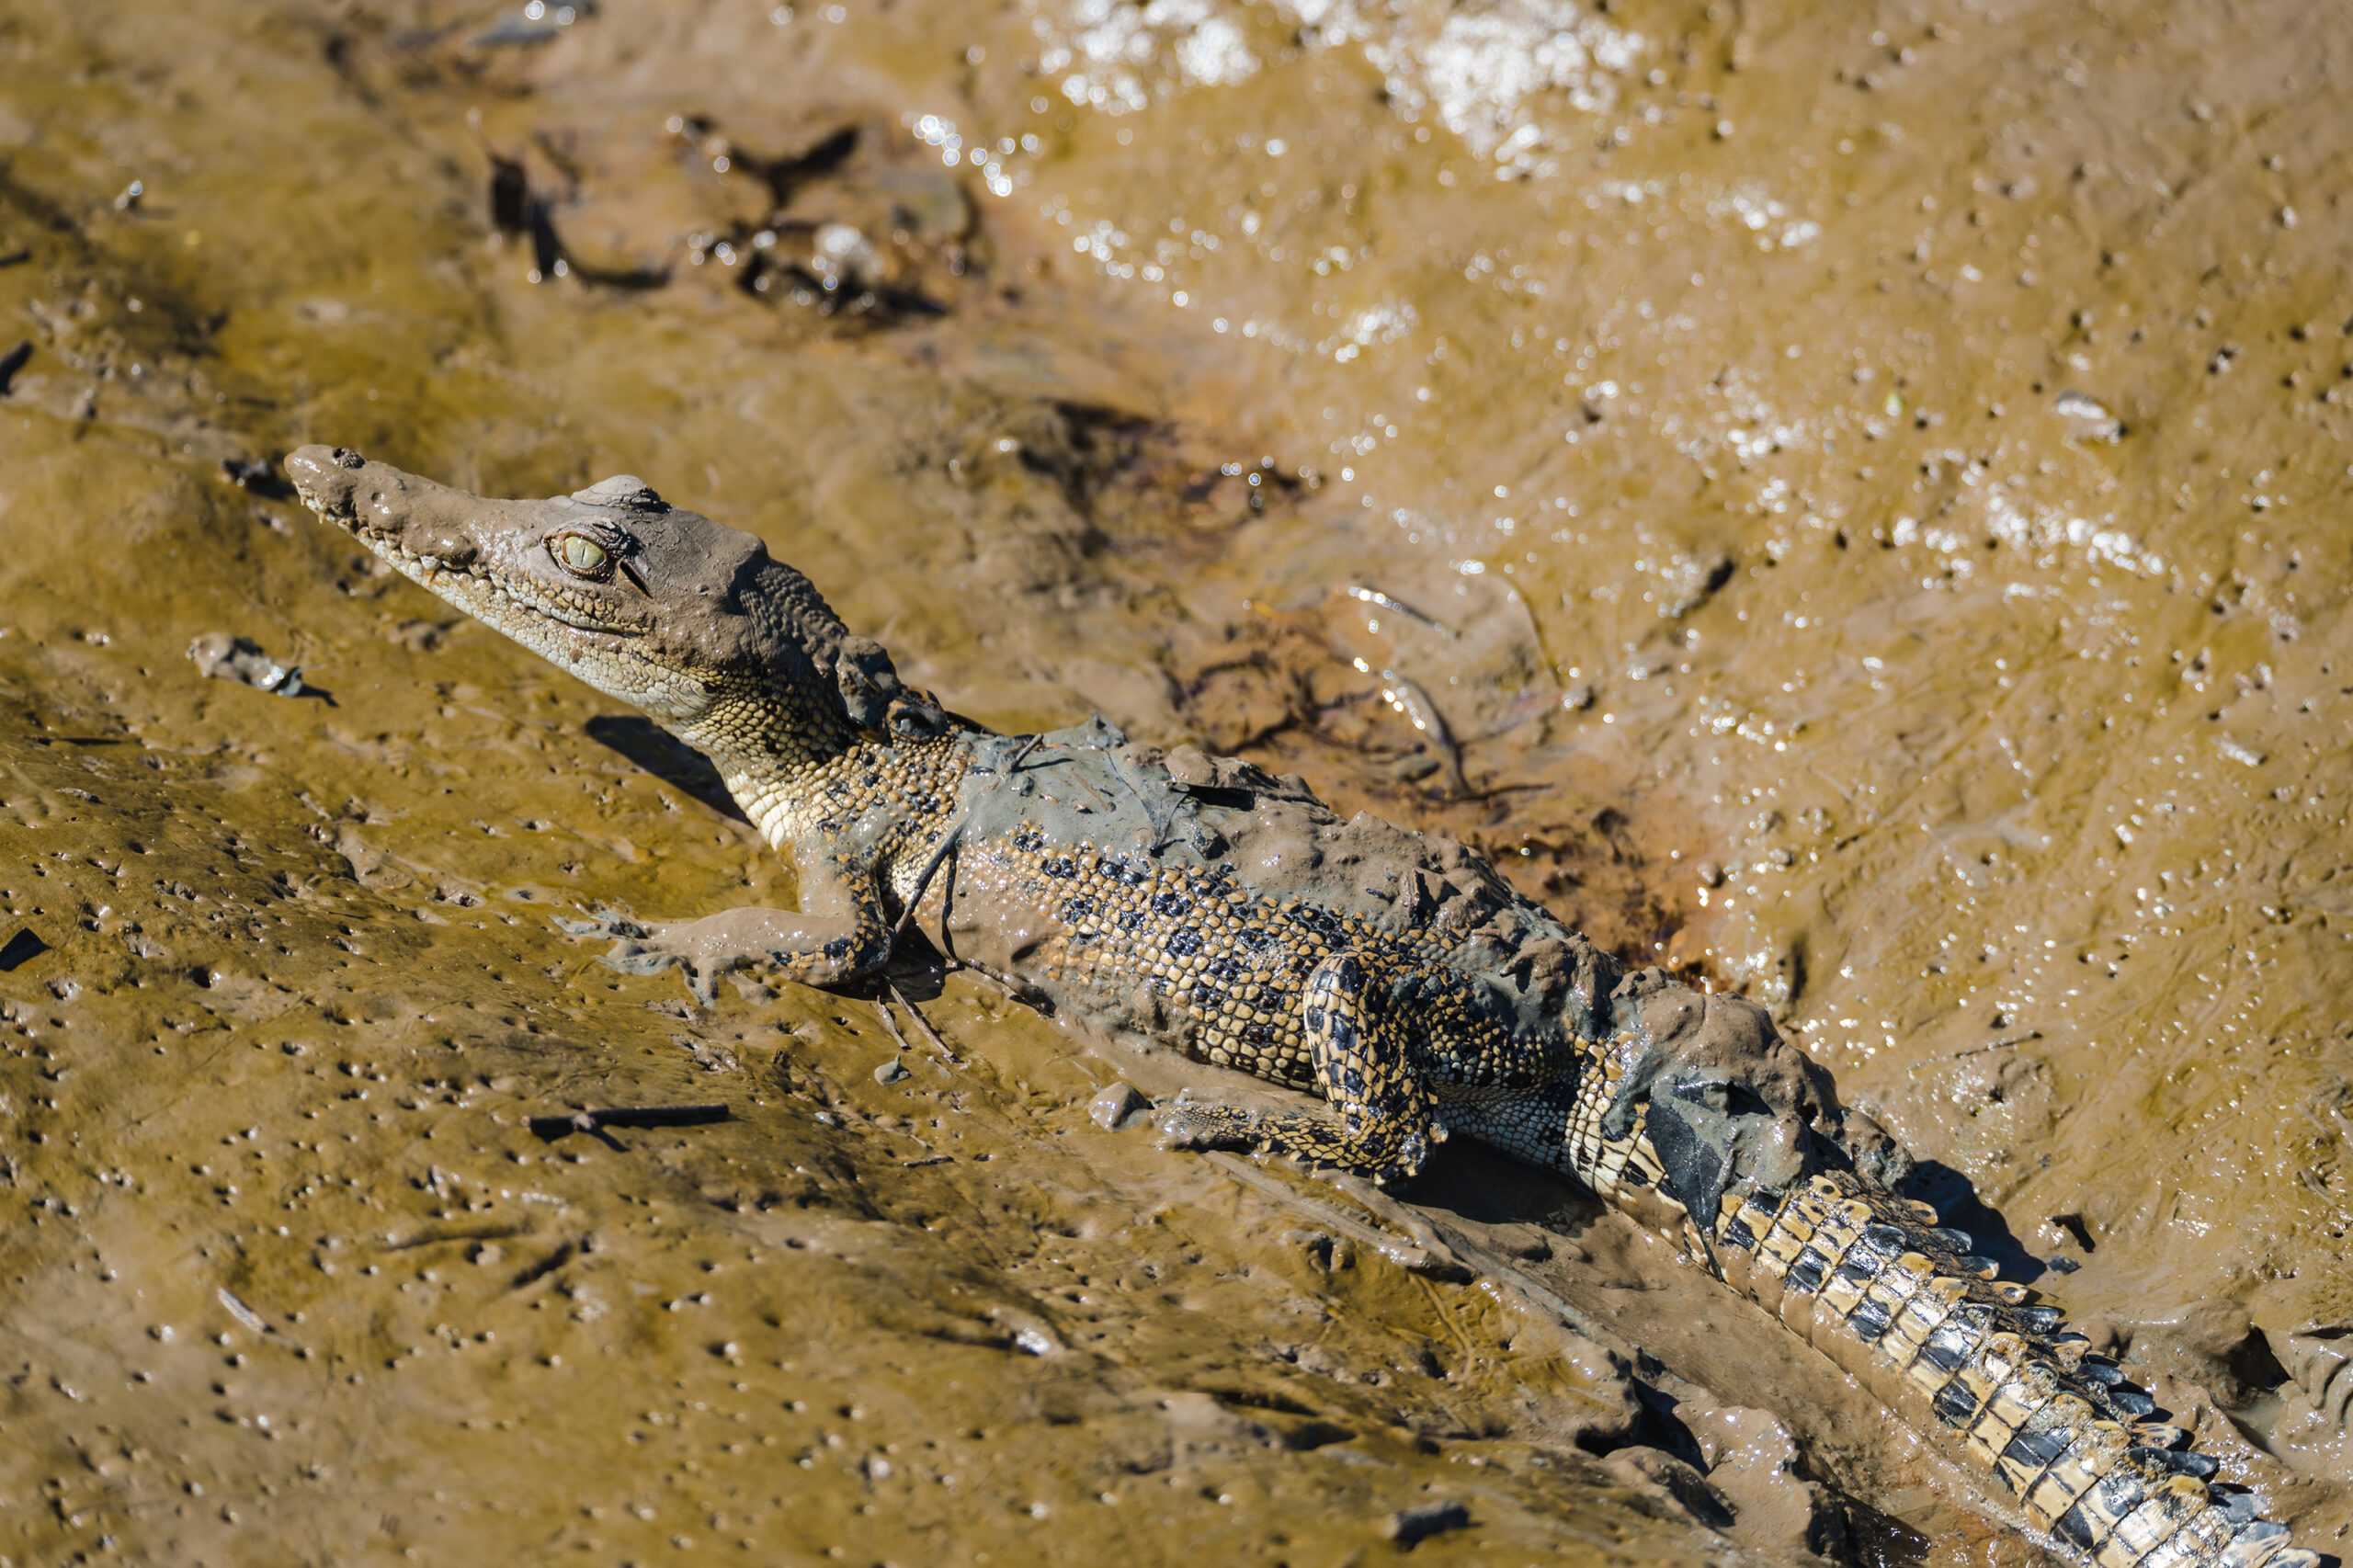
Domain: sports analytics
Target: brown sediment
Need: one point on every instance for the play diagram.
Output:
(1929, 669)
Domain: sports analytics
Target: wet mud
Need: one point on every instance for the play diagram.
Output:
(1845, 502)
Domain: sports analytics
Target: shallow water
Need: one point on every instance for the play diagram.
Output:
(1857, 491)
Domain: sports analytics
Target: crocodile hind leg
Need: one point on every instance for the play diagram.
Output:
(842, 938)
(1357, 1050)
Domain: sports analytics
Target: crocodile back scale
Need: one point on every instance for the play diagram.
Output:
(1195, 903)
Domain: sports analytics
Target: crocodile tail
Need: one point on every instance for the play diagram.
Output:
(1870, 1279)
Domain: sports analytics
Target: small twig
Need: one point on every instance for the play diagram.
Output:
(1380, 1203)
(1375, 596)
(945, 847)
(1014, 765)
(1417, 708)
(922, 883)
(1005, 983)
(921, 1023)
(1159, 810)
(554, 1126)
(1436, 1259)
(1978, 1050)
(883, 1007)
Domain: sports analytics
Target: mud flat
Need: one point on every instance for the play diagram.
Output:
(1844, 502)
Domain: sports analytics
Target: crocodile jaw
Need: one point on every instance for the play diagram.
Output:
(491, 560)
(685, 618)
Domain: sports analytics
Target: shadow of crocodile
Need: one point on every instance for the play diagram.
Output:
(658, 752)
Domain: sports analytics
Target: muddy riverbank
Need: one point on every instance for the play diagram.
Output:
(1845, 502)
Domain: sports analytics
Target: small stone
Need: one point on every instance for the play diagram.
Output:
(890, 1072)
(255, 474)
(1116, 1104)
(226, 657)
(2087, 418)
(1711, 874)
(1409, 1525)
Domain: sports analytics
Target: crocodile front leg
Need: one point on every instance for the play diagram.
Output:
(843, 937)
(1387, 1121)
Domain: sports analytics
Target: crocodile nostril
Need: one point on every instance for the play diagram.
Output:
(349, 458)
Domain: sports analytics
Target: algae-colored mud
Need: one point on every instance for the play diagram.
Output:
(1844, 502)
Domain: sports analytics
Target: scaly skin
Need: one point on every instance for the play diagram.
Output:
(1199, 903)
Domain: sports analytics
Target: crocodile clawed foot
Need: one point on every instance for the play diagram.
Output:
(1315, 1142)
(639, 949)
(602, 922)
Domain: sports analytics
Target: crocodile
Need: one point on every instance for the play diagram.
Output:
(1181, 900)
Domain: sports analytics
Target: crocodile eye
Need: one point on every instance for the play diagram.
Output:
(581, 556)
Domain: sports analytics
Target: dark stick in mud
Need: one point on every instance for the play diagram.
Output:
(923, 1024)
(559, 1125)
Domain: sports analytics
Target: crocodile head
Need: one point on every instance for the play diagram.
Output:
(686, 618)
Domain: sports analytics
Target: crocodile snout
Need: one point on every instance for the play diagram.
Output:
(325, 478)
(381, 505)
